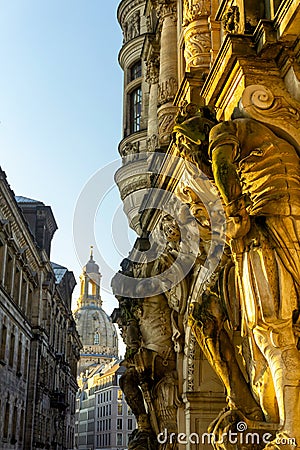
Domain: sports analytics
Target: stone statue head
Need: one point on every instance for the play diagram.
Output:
(191, 134)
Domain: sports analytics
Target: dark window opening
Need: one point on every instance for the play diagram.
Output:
(135, 110)
(136, 71)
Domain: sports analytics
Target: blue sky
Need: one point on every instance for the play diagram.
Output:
(60, 112)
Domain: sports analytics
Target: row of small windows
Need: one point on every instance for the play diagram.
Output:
(105, 410)
(104, 397)
(104, 425)
(14, 281)
(104, 440)
(10, 347)
(13, 423)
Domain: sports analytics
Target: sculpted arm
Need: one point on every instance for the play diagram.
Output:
(225, 173)
(224, 148)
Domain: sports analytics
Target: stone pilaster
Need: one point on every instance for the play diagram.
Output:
(168, 83)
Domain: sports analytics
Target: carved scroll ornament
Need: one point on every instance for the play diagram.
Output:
(280, 112)
(197, 48)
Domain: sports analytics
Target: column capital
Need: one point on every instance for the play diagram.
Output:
(194, 10)
(165, 8)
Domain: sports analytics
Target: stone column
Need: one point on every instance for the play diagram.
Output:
(197, 38)
(152, 77)
(168, 83)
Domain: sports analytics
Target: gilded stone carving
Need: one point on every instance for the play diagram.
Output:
(207, 316)
(192, 126)
(197, 47)
(257, 174)
(279, 111)
(231, 20)
(194, 9)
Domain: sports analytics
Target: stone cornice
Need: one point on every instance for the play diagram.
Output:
(126, 6)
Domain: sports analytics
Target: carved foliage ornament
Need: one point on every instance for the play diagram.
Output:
(166, 8)
(152, 74)
(197, 49)
(194, 10)
(152, 143)
(166, 123)
(167, 90)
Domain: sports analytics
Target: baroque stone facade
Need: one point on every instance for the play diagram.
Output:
(39, 342)
(209, 300)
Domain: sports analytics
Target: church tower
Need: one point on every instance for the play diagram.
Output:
(97, 333)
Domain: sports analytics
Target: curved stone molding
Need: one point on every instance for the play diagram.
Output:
(126, 7)
(280, 111)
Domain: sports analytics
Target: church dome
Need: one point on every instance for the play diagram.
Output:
(97, 333)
